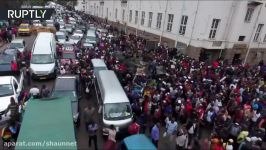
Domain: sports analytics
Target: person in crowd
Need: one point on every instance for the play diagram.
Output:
(14, 66)
(181, 139)
(155, 133)
(35, 92)
(134, 127)
(111, 142)
(89, 113)
(62, 70)
(13, 107)
(92, 132)
(45, 92)
(171, 127)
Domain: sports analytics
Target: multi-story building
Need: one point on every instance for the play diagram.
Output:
(229, 29)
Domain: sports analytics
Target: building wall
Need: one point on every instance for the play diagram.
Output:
(200, 17)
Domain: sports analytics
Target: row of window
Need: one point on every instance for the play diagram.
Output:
(183, 23)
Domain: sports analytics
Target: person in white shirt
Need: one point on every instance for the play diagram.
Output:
(62, 70)
(35, 91)
(111, 142)
(181, 140)
(171, 127)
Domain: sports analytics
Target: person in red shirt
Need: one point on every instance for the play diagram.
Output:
(14, 66)
(134, 127)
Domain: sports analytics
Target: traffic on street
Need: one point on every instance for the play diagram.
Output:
(76, 78)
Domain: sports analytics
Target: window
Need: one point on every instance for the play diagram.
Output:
(150, 19)
(130, 15)
(183, 25)
(170, 22)
(159, 20)
(116, 13)
(249, 14)
(142, 18)
(264, 38)
(257, 34)
(241, 38)
(123, 15)
(136, 16)
(215, 23)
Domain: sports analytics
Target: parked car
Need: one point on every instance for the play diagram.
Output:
(69, 28)
(19, 44)
(72, 90)
(79, 33)
(60, 37)
(9, 87)
(74, 39)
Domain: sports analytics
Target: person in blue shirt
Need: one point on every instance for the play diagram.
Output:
(155, 133)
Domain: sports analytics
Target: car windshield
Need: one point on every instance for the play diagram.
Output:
(68, 26)
(78, 32)
(69, 55)
(5, 59)
(91, 38)
(42, 59)
(6, 90)
(10, 51)
(16, 45)
(60, 36)
(75, 37)
(117, 111)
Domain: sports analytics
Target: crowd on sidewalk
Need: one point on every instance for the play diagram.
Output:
(228, 99)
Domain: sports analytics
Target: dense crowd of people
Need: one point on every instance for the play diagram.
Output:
(184, 97)
(190, 96)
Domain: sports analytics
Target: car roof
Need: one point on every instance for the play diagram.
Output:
(42, 43)
(62, 81)
(112, 89)
(5, 79)
(139, 141)
(98, 63)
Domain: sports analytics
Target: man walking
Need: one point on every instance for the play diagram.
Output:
(14, 110)
(88, 115)
(155, 134)
(92, 131)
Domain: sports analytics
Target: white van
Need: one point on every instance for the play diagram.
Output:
(43, 62)
(114, 103)
(98, 65)
(91, 37)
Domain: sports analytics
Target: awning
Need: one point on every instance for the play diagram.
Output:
(47, 124)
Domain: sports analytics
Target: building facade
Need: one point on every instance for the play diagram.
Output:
(228, 29)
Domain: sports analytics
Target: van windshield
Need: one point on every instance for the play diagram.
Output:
(42, 59)
(117, 111)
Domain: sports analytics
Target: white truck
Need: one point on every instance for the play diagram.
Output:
(10, 86)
